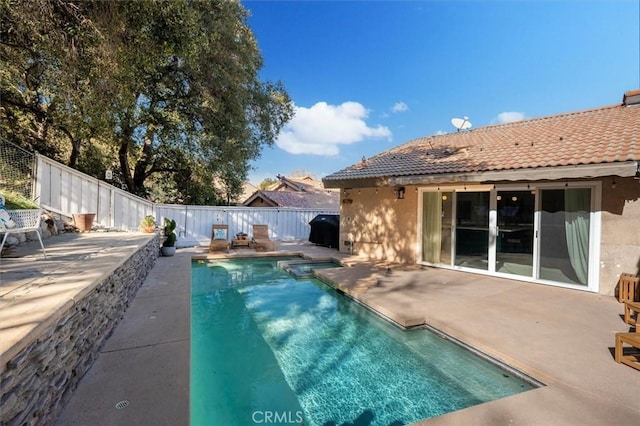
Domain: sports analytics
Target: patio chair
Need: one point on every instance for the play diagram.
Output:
(219, 238)
(260, 239)
(630, 319)
(633, 340)
(628, 288)
(25, 221)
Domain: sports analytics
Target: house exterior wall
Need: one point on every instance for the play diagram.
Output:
(620, 241)
(380, 226)
(385, 228)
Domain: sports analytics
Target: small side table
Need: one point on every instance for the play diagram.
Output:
(235, 243)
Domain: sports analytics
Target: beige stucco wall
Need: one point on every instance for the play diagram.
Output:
(620, 241)
(380, 226)
(385, 228)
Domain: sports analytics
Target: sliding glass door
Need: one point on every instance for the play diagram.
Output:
(472, 230)
(542, 233)
(514, 232)
(437, 213)
(564, 235)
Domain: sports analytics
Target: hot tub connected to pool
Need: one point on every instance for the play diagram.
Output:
(306, 268)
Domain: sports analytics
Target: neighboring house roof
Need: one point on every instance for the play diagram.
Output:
(603, 135)
(304, 183)
(247, 189)
(302, 199)
(304, 192)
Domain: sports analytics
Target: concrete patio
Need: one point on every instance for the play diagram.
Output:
(563, 338)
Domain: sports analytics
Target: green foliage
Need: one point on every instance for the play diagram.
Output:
(15, 201)
(267, 183)
(169, 233)
(148, 222)
(168, 94)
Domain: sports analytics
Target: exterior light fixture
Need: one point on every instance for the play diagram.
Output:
(400, 192)
(514, 198)
(444, 197)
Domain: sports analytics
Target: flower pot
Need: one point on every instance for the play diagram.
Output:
(83, 221)
(168, 251)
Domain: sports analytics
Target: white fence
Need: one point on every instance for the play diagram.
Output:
(193, 223)
(64, 190)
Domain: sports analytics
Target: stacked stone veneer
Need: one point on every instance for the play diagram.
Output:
(37, 382)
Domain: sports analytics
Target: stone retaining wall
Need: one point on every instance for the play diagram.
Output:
(38, 382)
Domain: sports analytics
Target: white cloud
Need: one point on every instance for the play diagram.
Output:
(399, 107)
(321, 129)
(508, 117)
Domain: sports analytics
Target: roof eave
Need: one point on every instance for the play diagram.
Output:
(622, 169)
(356, 182)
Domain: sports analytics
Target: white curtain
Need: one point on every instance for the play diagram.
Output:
(432, 226)
(577, 206)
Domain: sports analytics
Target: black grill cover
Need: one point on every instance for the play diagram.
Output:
(325, 230)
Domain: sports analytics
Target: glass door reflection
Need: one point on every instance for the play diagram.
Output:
(514, 244)
(472, 230)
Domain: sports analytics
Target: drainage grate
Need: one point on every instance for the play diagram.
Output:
(122, 404)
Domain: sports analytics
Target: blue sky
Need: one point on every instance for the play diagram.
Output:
(366, 76)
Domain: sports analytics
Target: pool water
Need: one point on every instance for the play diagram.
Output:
(269, 348)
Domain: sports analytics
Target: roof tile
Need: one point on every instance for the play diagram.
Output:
(601, 135)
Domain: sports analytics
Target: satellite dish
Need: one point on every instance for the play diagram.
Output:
(461, 123)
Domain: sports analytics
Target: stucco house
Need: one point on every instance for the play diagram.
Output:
(552, 200)
(301, 192)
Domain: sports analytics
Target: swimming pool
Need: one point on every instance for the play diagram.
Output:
(269, 348)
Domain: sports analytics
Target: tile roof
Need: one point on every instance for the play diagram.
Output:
(321, 199)
(296, 183)
(602, 135)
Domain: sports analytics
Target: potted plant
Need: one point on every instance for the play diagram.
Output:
(169, 245)
(148, 224)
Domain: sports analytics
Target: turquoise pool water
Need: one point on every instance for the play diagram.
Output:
(270, 349)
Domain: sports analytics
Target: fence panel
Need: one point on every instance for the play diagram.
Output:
(68, 191)
(129, 210)
(104, 213)
(193, 223)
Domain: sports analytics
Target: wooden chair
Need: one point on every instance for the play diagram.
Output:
(260, 239)
(628, 288)
(630, 319)
(632, 339)
(219, 238)
(629, 295)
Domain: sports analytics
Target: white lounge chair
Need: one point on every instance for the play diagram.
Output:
(26, 221)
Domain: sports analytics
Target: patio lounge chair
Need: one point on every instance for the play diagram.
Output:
(260, 239)
(632, 339)
(219, 238)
